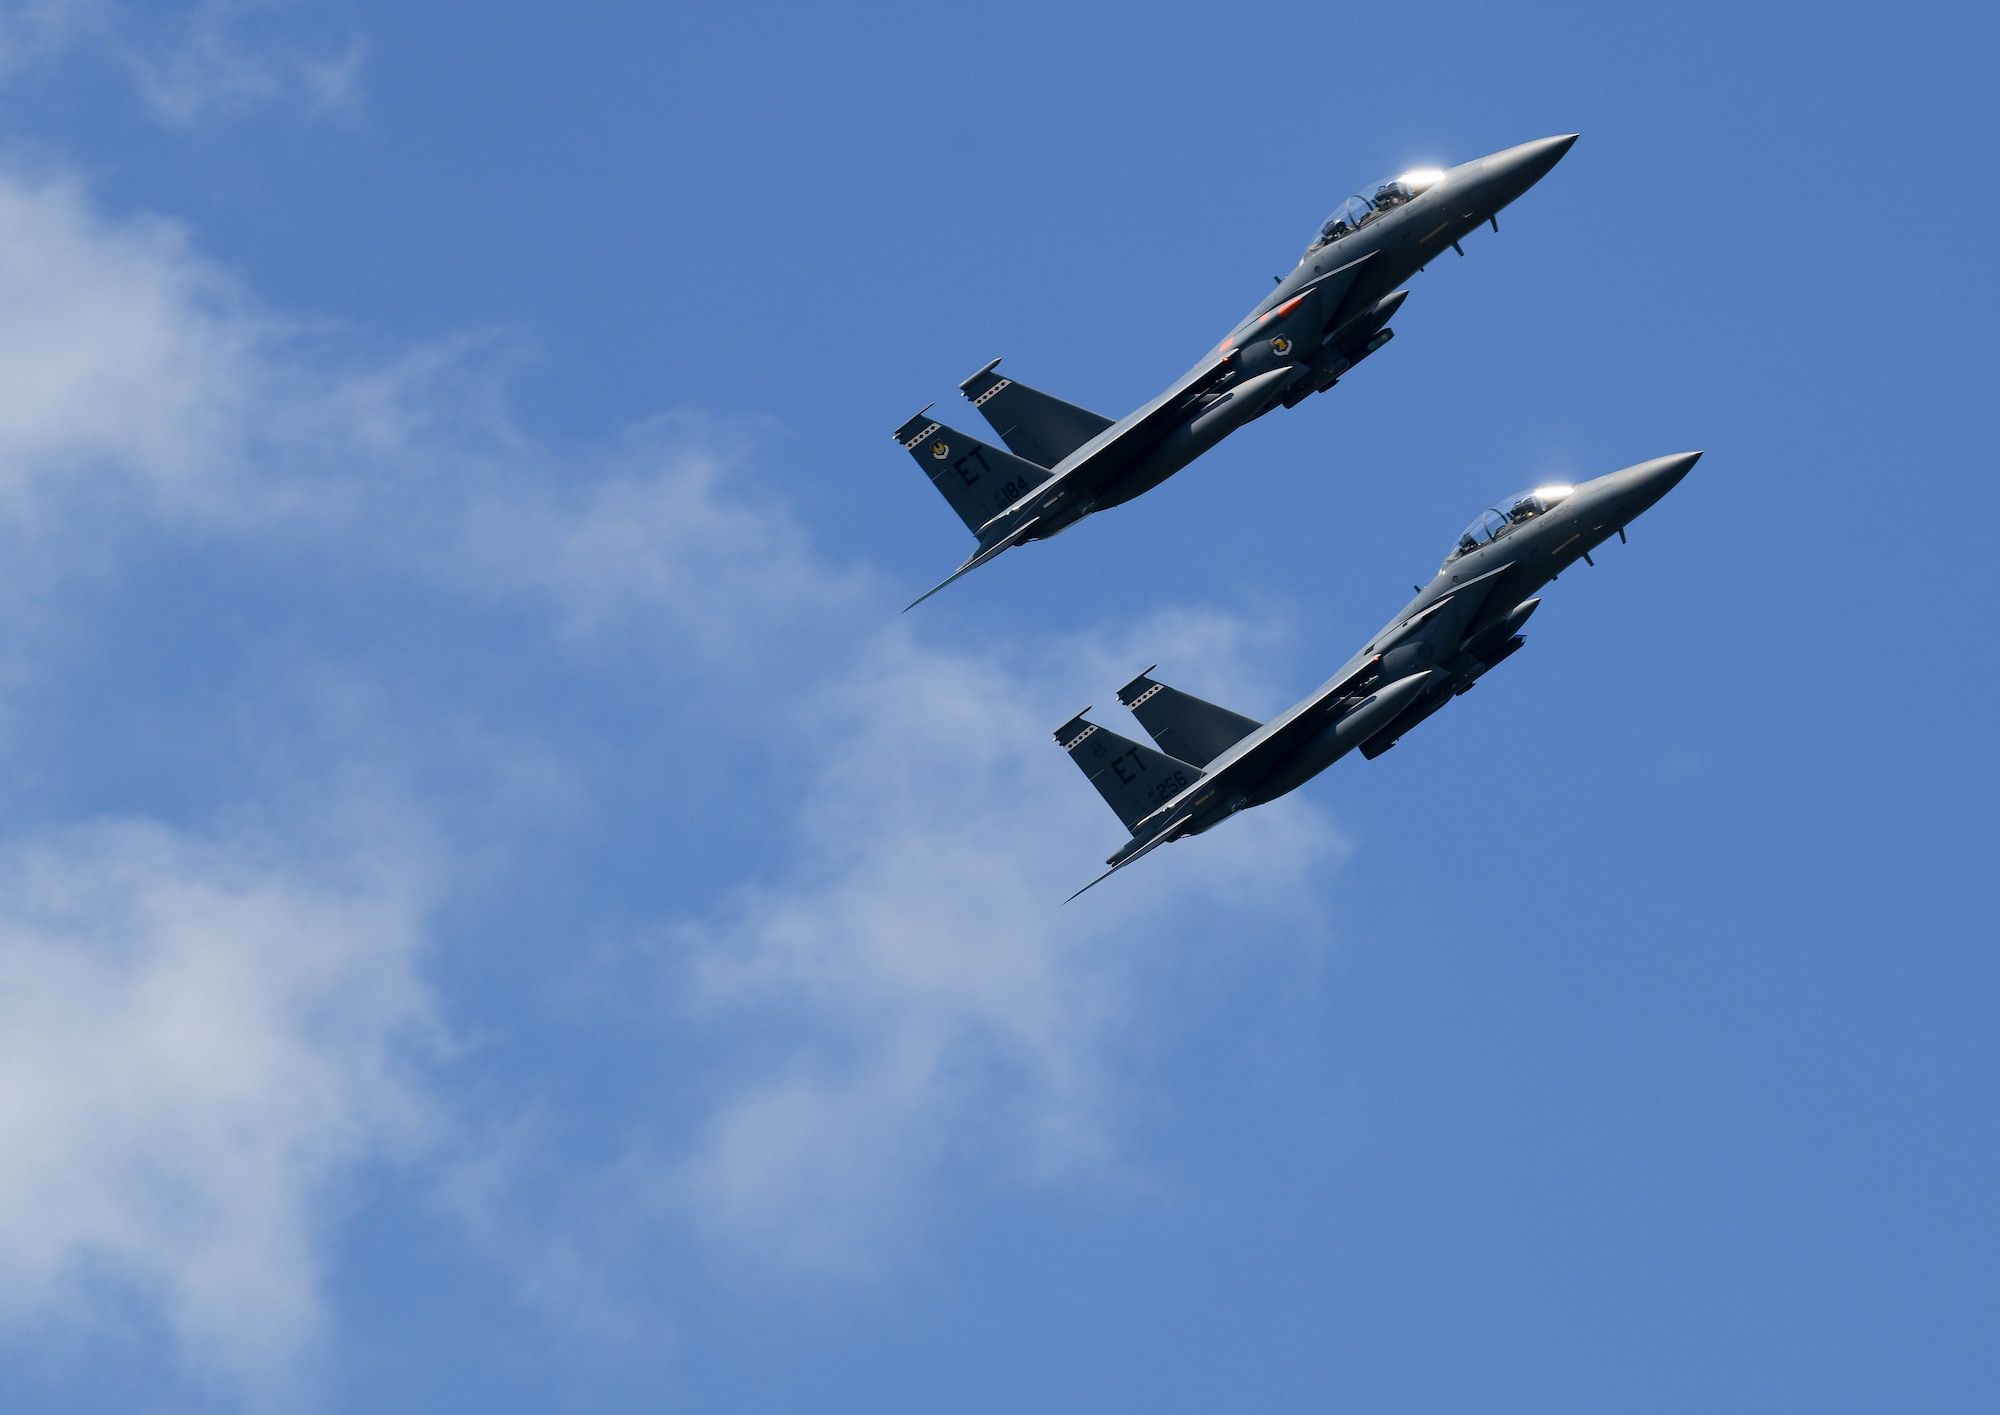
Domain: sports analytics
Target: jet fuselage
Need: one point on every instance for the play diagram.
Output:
(1333, 310)
(1062, 462)
(1456, 628)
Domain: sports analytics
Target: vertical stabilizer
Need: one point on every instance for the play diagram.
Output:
(1184, 725)
(979, 480)
(1032, 424)
(1134, 780)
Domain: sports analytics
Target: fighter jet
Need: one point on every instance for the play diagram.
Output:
(1063, 462)
(1211, 763)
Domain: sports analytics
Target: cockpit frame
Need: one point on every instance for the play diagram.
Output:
(1494, 522)
(1358, 211)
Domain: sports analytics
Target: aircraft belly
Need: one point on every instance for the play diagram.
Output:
(1315, 755)
(1520, 586)
(1330, 743)
(1390, 733)
(1142, 478)
(1184, 443)
(1294, 771)
(1123, 461)
(1382, 278)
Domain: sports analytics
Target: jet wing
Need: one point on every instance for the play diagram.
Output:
(1298, 722)
(1101, 459)
(1332, 288)
(1466, 597)
(1248, 756)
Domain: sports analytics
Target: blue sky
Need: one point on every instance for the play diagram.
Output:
(498, 910)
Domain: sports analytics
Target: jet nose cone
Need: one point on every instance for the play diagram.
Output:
(1507, 174)
(1667, 471)
(1635, 489)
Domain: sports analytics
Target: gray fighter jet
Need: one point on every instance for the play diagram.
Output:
(1212, 763)
(1063, 462)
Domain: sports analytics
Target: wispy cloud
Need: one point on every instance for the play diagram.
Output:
(196, 1037)
(876, 1003)
(930, 1016)
(192, 64)
(216, 61)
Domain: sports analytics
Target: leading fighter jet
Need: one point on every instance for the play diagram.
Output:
(1212, 763)
(1063, 462)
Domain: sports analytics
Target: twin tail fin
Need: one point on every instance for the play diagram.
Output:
(1135, 780)
(978, 479)
(1184, 725)
(1033, 424)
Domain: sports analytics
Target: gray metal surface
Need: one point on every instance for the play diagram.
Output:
(1061, 463)
(1214, 763)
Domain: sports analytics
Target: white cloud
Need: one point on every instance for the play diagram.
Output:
(195, 1041)
(212, 60)
(202, 65)
(206, 1041)
(145, 387)
(32, 30)
(930, 1008)
(124, 356)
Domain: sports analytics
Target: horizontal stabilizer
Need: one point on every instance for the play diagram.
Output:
(1134, 780)
(1184, 725)
(1171, 832)
(978, 558)
(1033, 424)
(979, 480)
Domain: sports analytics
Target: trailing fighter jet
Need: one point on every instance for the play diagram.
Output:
(1063, 462)
(1212, 763)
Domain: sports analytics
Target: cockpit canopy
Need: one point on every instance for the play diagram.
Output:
(1497, 521)
(1357, 211)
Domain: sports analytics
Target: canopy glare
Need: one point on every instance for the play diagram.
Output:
(1357, 211)
(1496, 521)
